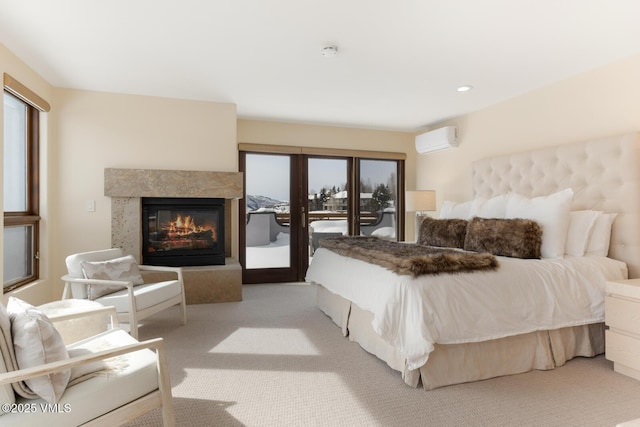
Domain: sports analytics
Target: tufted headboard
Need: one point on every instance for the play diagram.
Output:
(604, 175)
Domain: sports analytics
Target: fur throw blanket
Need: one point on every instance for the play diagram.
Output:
(410, 259)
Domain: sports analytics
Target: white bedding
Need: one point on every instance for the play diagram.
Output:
(522, 296)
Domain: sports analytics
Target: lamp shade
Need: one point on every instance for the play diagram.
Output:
(423, 200)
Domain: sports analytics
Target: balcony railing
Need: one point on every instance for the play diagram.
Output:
(366, 218)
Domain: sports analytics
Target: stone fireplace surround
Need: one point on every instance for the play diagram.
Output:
(127, 187)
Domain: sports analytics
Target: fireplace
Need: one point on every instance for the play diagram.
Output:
(182, 232)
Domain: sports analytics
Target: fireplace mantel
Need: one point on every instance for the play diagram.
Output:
(172, 183)
(126, 187)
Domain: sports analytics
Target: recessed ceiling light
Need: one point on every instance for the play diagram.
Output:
(329, 51)
(465, 88)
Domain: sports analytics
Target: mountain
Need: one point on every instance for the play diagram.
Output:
(258, 202)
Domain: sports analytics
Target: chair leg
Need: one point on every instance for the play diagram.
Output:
(164, 384)
(133, 315)
(133, 325)
(183, 310)
(66, 292)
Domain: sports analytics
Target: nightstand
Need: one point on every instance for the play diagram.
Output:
(622, 315)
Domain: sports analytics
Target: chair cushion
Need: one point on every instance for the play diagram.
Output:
(127, 378)
(146, 295)
(36, 342)
(123, 269)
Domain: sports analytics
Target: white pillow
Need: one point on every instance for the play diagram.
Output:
(453, 210)
(601, 235)
(580, 227)
(36, 342)
(495, 207)
(124, 269)
(551, 212)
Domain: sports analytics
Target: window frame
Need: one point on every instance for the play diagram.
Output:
(31, 216)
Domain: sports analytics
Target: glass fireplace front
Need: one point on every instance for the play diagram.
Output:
(182, 231)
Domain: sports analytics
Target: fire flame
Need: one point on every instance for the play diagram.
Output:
(183, 226)
(186, 225)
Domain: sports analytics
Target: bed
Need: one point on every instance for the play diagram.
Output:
(393, 317)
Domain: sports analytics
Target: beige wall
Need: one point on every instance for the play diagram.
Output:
(266, 132)
(599, 103)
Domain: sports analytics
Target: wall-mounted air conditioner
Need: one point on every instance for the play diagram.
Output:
(437, 139)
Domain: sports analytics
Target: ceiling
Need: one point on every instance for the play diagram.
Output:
(398, 66)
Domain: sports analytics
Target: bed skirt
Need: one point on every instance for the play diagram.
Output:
(459, 363)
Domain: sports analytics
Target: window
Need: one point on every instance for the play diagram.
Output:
(20, 195)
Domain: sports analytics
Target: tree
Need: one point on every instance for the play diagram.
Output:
(380, 197)
(365, 186)
(323, 195)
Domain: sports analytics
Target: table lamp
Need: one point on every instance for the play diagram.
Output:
(419, 201)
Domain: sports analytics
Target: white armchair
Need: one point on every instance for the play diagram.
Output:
(117, 378)
(133, 300)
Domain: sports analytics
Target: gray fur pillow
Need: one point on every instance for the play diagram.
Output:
(447, 233)
(516, 238)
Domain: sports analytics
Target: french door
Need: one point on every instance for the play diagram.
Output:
(294, 200)
(271, 217)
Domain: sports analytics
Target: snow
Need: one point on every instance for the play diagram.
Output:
(273, 255)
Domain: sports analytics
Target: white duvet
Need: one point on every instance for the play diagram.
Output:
(522, 296)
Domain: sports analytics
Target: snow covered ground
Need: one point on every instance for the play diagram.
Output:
(276, 254)
(273, 255)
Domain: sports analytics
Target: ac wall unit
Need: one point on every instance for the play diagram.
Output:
(437, 139)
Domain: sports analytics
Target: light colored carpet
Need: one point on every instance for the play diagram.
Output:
(274, 359)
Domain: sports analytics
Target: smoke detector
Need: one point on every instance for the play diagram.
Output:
(329, 51)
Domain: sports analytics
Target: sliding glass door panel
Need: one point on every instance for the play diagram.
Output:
(270, 230)
(328, 199)
(378, 198)
(267, 205)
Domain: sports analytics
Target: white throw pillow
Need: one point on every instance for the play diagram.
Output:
(601, 235)
(580, 227)
(124, 269)
(551, 212)
(495, 207)
(36, 342)
(453, 210)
